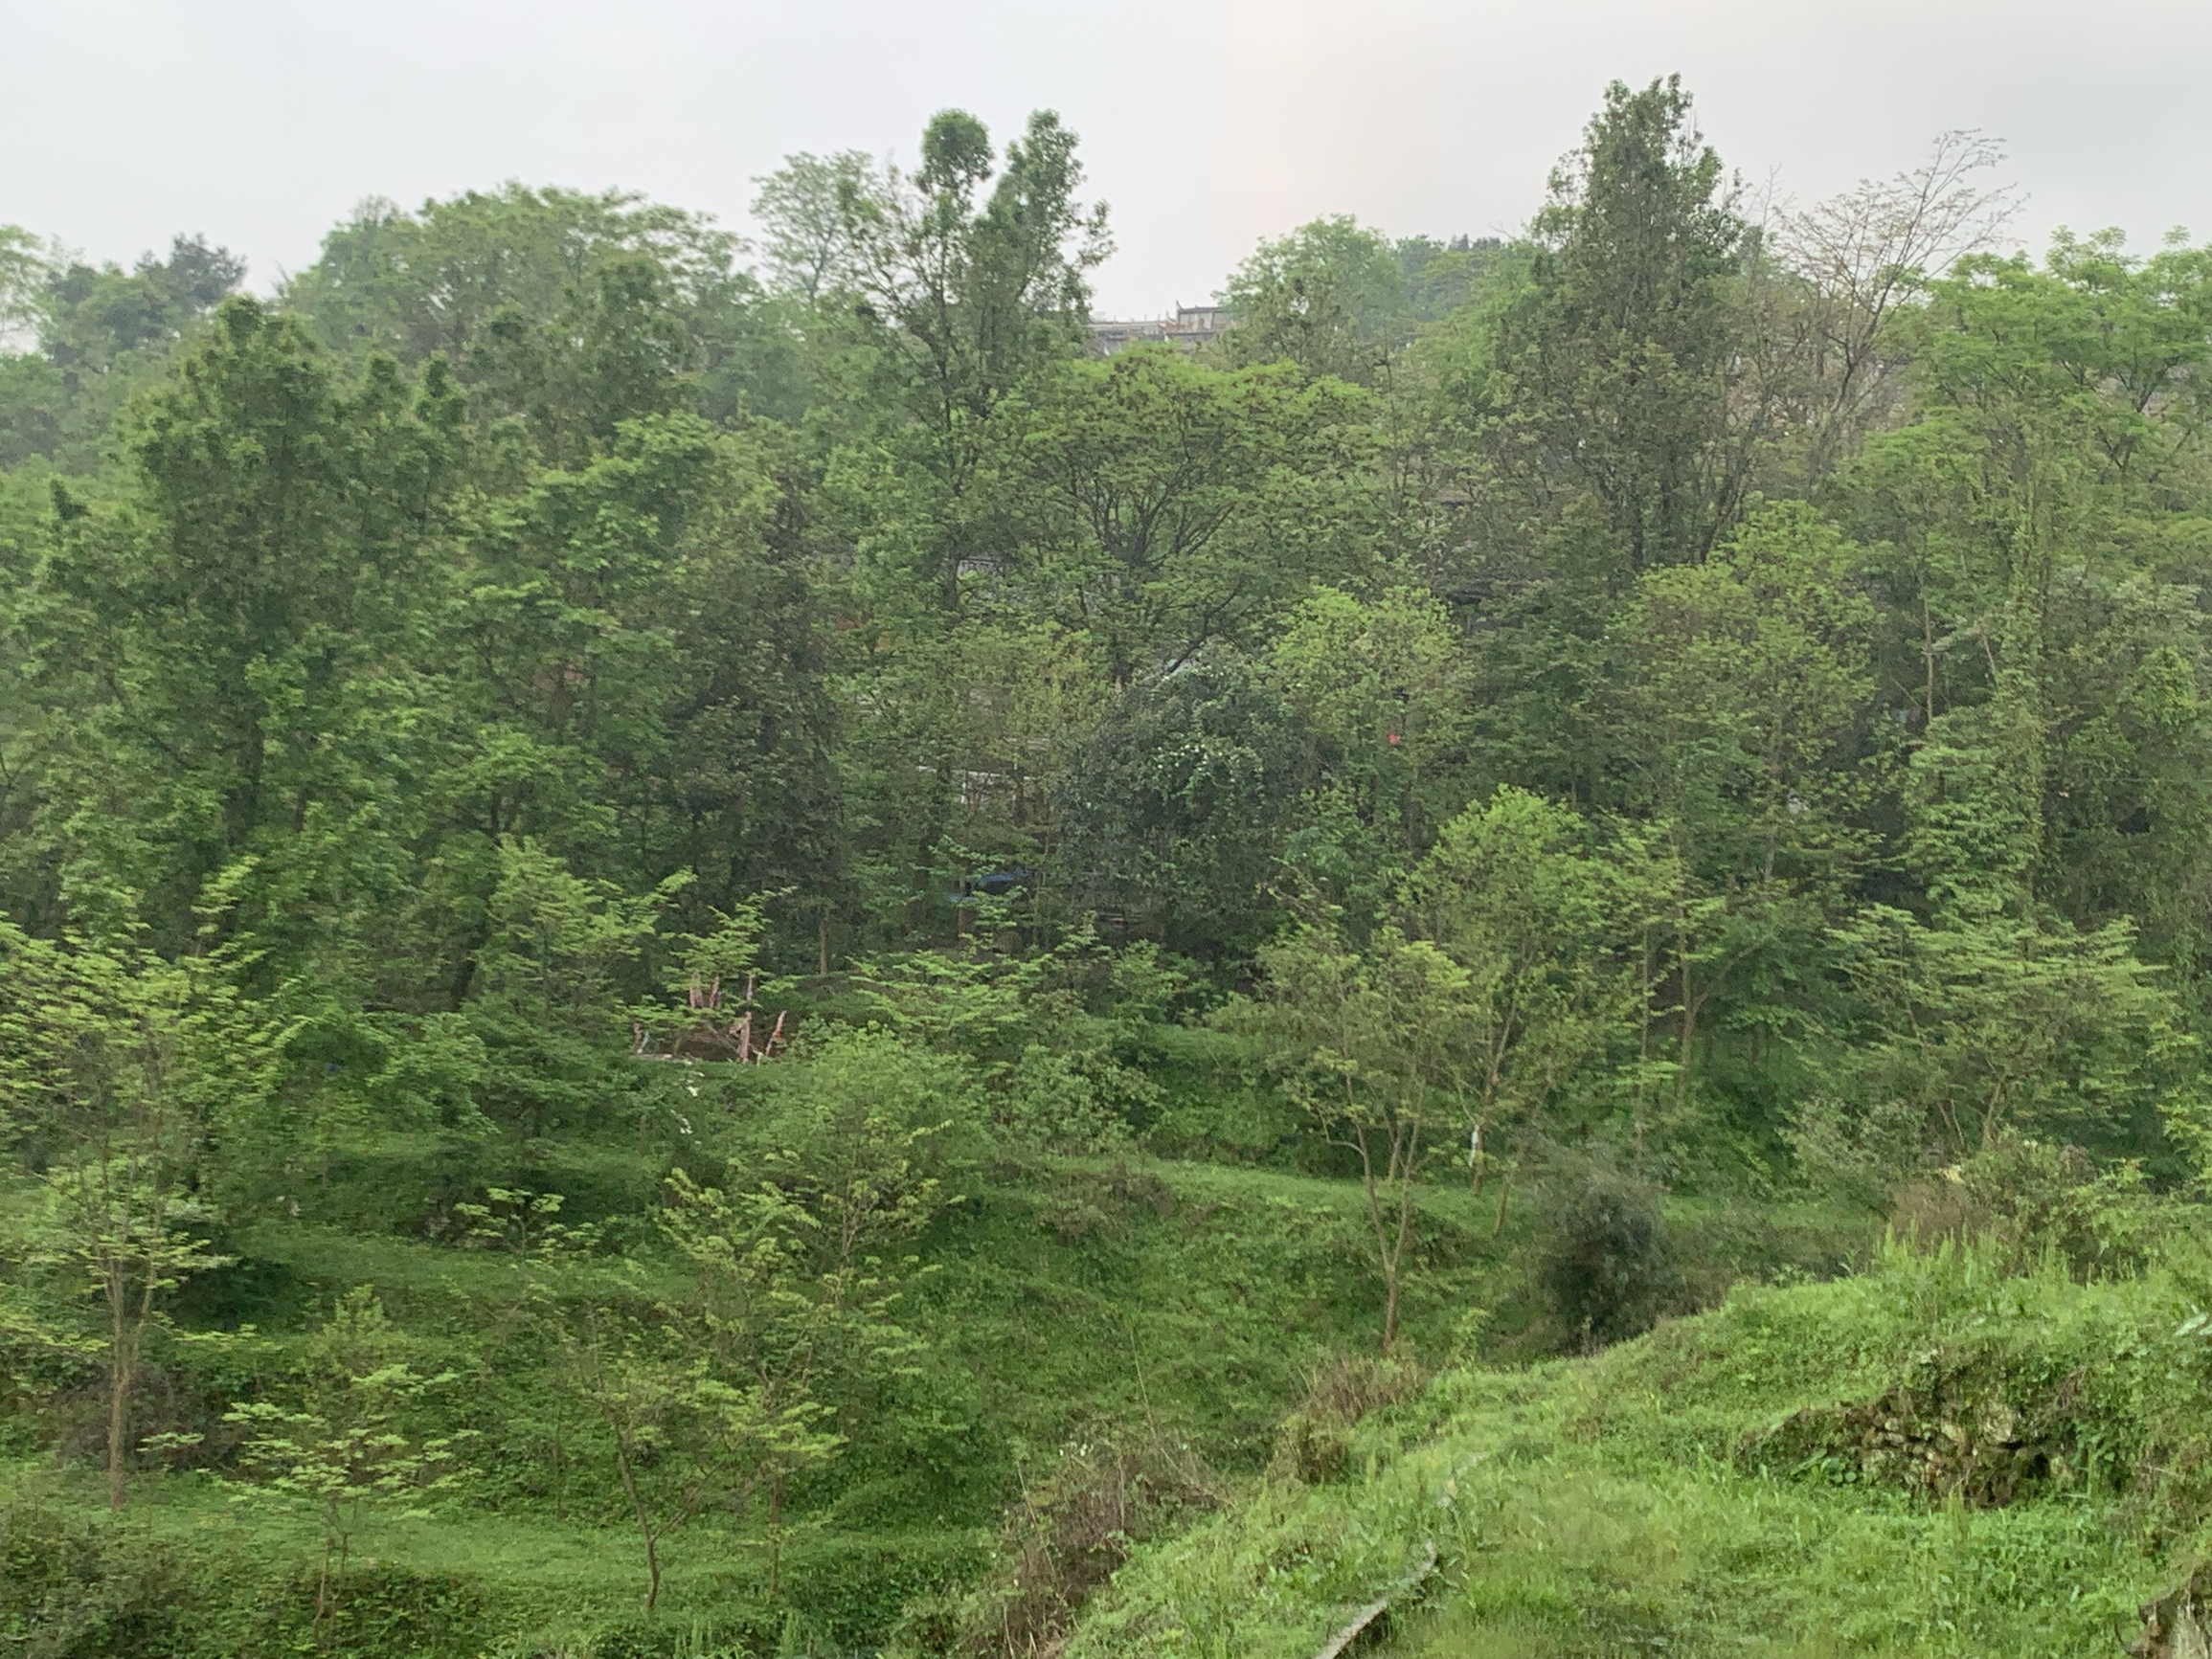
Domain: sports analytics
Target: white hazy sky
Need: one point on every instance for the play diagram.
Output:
(1207, 124)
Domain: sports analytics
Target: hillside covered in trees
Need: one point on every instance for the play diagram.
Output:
(719, 948)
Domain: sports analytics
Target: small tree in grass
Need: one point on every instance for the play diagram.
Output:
(351, 1440)
(715, 1397)
(113, 1064)
(1375, 1048)
(119, 1222)
(1512, 895)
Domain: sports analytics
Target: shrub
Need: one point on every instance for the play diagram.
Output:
(1956, 1423)
(72, 1589)
(1606, 1268)
(1057, 1102)
(1313, 1442)
(2024, 1199)
(1068, 1535)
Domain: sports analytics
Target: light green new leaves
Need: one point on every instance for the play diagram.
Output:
(1156, 505)
(1981, 1028)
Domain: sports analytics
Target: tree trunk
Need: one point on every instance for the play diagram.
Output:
(1927, 653)
(560, 1461)
(122, 1366)
(345, 1558)
(1689, 1025)
(1644, 990)
(644, 1524)
(1398, 1247)
(774, 1536)
(323, 1573)
(1383, 1256)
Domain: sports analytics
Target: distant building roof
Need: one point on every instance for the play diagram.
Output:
(1186, 331)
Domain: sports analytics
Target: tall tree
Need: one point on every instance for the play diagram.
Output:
(1619, 362)
(969, 293)
(227, 648)
(1862, 257)
(565, 312)
(1332, 297)
(809, 206)
(98, 334)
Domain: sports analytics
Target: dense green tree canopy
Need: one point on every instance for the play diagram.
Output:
(556, 704)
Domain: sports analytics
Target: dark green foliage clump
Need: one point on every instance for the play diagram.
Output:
(1176, 801)
(1951, 1427)
(75, 1588)
(1607, 1267)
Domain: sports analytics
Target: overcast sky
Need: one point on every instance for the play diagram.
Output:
(1207, 124)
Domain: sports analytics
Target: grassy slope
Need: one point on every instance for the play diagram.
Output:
(1696, 1492)
(1068, 1296)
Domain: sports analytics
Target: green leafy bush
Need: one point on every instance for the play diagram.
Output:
(1606, 1264)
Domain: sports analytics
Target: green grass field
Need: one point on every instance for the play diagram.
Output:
(1928, 1459)
(1072, 1301)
